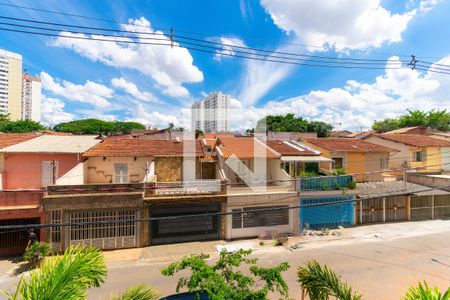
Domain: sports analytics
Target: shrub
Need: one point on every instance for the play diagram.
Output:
(351, 185)
(339, 172)
(37, 251)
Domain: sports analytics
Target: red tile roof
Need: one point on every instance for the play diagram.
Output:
(9, 139)
(348, 145)
(289, 149)
(140, 147)
(214, 135)
(244, 148)
(417, 140)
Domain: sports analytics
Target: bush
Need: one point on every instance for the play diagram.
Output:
(307, 174)
(36, 251)
(339, 172)
(351, 185)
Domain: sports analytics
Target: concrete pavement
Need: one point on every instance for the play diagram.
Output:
(380, 261)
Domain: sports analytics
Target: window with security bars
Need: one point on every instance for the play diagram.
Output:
(249, 217)
(105, 230)
(55, 232)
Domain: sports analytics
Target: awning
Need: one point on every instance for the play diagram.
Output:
(306, 158)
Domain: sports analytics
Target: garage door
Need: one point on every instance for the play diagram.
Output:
(14, 242)
(184, 229)
(104, 236)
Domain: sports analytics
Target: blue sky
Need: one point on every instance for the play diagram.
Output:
(155, 85)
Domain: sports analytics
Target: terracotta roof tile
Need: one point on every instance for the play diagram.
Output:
(244, 148)
(9, 139)
(417, 140)
(348, 145)
(140, 147)
(288, 149)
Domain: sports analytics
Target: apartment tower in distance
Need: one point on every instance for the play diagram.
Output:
(31, 98)
(11, 84)
(211, 114)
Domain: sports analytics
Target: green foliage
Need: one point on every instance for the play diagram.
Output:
(64, 277)
(424, 292)
(41, 249)
(437, 119)
(321, 283)
(94, 126)
(20, 126)
(222, 281)
(290, 123)
(138, 292)
(339, 172)
(307, 174)
(351, 185)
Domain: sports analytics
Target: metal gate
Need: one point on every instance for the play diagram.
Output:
(386, 209)
(14, 242)
(327, 215)
(188, 229)
(104, 236)
(429, 207)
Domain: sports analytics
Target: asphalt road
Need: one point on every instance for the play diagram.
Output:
(379, 269)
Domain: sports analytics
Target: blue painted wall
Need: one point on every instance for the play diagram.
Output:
(327, 216)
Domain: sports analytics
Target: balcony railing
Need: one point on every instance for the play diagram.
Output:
(324, 183)
(200, 187)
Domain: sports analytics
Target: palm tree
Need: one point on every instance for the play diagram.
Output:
(320, 283)
(69, 276)
(424, 292)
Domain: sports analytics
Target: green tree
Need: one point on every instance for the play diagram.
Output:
(94, 126)
(20, 126)
(291, 123)
(68, 277)
(437, 119)
(424, 292)
(321, 283)
(221, 281)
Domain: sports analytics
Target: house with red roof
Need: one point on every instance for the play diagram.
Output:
(422, 153)
(364, 160)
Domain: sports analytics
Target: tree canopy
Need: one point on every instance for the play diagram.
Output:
(94, 126)
(291, 123)
(20, 126)
(437, 119)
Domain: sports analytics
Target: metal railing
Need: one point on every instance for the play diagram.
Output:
(198, 187)
(324, 182)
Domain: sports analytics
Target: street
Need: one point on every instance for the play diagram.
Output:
(378, 267)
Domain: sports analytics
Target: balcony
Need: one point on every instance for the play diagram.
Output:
(186, 188)
(324, 183)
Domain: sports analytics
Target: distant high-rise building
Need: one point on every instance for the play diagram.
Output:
(11, 84)
(31, 98)
(211, 114)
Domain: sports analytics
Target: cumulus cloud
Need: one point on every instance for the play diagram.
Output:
(90, 92)
(358, 104)
(52, 111)
(342, 24)
(144, 115)
(131, 89)
(168, 67)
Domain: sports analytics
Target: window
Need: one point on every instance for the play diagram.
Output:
(120, 173)
(419, 156)
(384, 163)
(249, 217)
(338, 162)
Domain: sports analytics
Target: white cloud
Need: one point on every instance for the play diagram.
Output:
(90, 92)
(132, 89)
(229, 43)
(168, 67)
(260, 76)
(358, 104)
(52, 111)
(342, 24)
(142, 114)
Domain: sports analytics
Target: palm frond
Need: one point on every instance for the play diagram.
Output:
(424, 292)
(320, 282)
(65, 277)
(138, 292)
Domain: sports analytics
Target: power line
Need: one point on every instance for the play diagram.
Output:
(187, 32)
(175, 217)
(114, 40)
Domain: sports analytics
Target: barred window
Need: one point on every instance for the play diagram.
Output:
(55, 232)
(249, 217)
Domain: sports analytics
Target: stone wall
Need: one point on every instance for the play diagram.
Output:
(168, 169)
